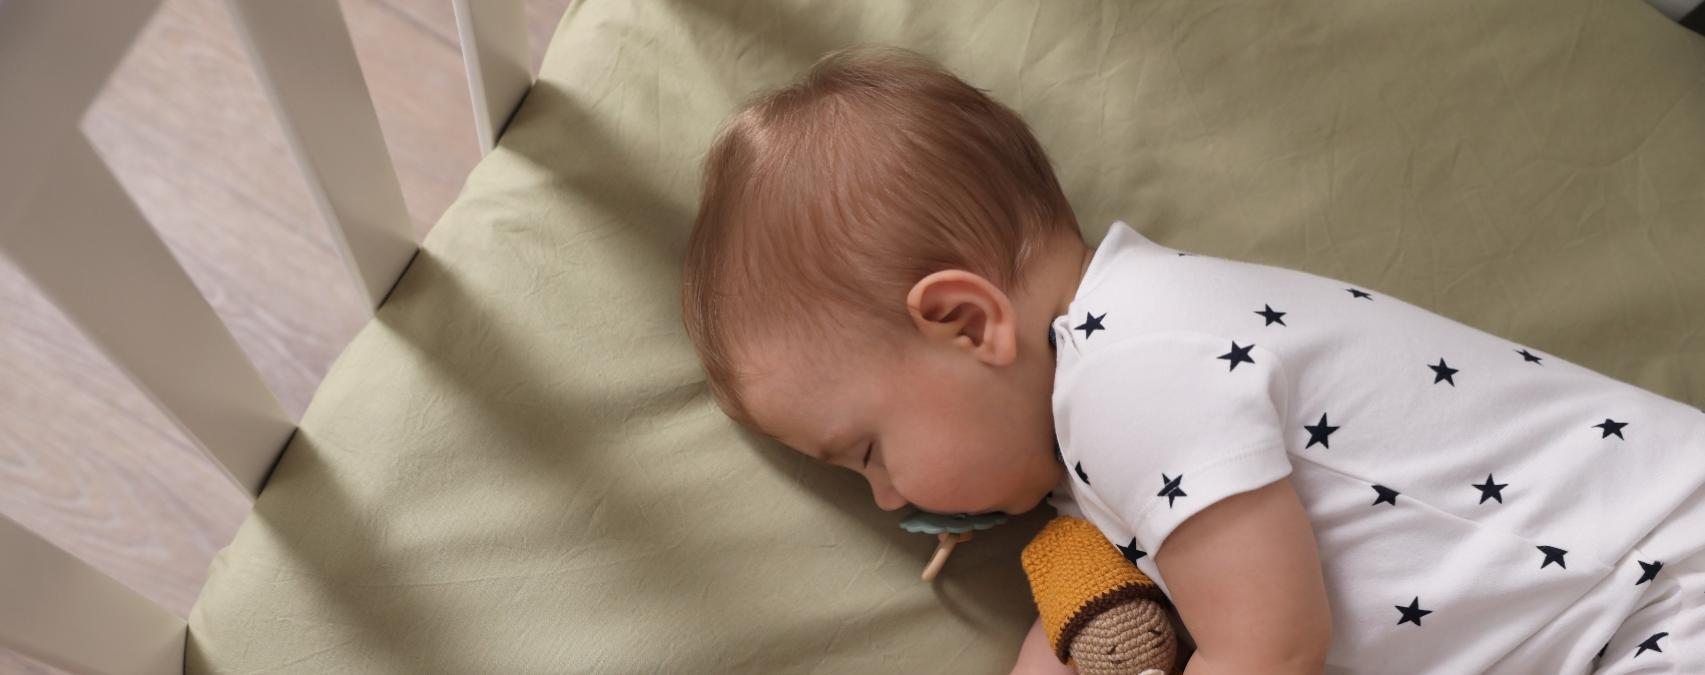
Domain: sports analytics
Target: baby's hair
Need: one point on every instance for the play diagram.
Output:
(826, 200)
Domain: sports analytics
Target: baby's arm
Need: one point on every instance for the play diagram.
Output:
(1245, 576)
(1036, 658)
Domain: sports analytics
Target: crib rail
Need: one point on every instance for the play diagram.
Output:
(308, 69)
(81, 620)
(494, 49)
(68, 224)
(84, 244)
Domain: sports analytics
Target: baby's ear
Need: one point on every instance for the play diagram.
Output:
(964, 309)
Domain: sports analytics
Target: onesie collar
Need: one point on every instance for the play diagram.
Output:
(1119, 237)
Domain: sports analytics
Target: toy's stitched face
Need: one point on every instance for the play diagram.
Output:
(1143, 636)
(1119, 653)
(942, 431)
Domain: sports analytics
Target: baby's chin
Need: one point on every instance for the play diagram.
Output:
(1033, 505)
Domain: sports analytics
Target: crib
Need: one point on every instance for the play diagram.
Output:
(525, 354)
(82, 242)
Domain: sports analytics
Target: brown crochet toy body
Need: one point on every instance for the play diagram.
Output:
(1102, 615)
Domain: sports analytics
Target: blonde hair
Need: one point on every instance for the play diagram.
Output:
(826, 200)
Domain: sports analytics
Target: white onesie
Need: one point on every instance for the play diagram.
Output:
(1479, 506)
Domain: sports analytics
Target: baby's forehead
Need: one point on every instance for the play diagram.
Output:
(786, 385)
(783, 373)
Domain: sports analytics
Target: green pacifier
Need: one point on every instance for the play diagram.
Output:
(949, 530)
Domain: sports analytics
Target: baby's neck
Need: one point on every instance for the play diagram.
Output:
(1055, 282)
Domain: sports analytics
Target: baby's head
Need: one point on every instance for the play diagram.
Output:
(878, 251)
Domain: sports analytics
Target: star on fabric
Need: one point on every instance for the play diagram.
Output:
(1552, 555)
(1443, 372)
(1412, 613)
(1080, 474)
(1171, 491)
(1611, 426)
(1091, 324)
(1318, 433)
(1386, 495)
(1359, 293)
(1651, 643)
(1130, 551)
(1182, 254)
(1271, 316)
(1528, 357)
(1649, 571)
(1237, 355)
(1491, 490)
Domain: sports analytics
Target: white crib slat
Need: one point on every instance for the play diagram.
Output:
(494, 51)
(54, 57)
(306, 63)
(84, 244)
(57, 609)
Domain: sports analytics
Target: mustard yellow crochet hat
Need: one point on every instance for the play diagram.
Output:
(1075, 574)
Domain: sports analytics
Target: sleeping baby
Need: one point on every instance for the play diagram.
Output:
(884, 275)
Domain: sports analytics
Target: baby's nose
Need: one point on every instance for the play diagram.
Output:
(887, 500)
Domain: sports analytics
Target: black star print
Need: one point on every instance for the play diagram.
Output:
(1358, 293)
(1552, 555)
(1271, 316)
(1080, 474)
(1386, 495)
(1130, 551)
(1530, 358)
(1091, 324)
(1413, 612)
(1651, 643)
(1318, 433)
(1491, 490)
(1171, 490)
(1649, 571)
(1443, 373)
(1237, 355)
(1611, 426)
(1182, 254)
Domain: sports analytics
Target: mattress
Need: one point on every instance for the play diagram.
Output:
(516, 466)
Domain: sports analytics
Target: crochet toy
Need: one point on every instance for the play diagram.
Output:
(1101, 614)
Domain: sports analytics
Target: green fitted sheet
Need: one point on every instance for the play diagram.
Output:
(516, 467)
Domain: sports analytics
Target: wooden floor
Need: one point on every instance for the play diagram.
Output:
(85, 460)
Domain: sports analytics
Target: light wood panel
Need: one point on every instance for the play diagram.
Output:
(85, 460)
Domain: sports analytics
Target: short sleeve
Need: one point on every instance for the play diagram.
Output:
(1160, 426)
